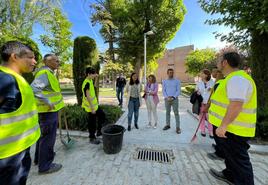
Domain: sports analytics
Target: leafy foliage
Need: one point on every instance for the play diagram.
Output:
(131, 19)
(58, 36)
(112, 69)
(17, 17)
(77, 117)
(85, 54)
(198, 60)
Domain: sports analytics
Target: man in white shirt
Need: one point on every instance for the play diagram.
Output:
(233, 111)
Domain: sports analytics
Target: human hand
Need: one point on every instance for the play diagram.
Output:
(93, 112)
(51, 107)
(221, 131)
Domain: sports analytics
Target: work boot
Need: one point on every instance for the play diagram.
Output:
(54, 167)
(99, 133)
(136, 126)
(220, 176)
(129, 127)
(94, 141)
(166, 127)
(203, 134)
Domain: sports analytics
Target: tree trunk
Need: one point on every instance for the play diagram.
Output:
(138, 65)
(259, 59)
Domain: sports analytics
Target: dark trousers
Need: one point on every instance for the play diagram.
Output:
(218, 150)
(14, 170)
(133, 107)
(119, 94)
(92, 122)
(44, 151)
(238, 165)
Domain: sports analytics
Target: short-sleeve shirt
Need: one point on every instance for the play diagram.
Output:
(10, 93)
(205, 90)
(239, 89)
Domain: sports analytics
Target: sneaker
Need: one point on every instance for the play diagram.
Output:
(214, 156)
(136, 126)
(203, 134)
(94, 141)
(149, 125)
(129, 128)
(166, 127)
(220, 176)
(178, 130)
(53, 168)
(155, 125)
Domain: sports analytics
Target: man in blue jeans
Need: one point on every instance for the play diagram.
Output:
(171, 91)
(120, 85)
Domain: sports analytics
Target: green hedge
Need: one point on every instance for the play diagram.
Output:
(262, 123)
(77, 118)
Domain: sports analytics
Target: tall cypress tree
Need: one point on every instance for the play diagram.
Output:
(84, 54)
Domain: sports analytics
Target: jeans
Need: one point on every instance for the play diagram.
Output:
(133, 107)
(44, 151)
(14, 170)
(175, 104)
(119, 94)
(92, 122)
(237, 161)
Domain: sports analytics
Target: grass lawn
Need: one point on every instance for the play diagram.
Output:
(107, 92)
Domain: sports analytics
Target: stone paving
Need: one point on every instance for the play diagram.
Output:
(88, 165)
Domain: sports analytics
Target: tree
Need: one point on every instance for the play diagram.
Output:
(134, 18)
(17, 17)
(85, 54)
(199, 59)
(249, 20)
(59, 35)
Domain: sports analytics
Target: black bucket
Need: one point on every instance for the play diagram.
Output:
(112, 136)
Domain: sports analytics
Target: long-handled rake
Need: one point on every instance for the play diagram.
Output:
(69, 142)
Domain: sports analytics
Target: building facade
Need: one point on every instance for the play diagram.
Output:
(175, 59)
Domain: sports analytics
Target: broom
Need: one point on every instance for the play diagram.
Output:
(69, 142)
(195, 136)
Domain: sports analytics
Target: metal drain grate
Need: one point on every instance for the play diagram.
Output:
(162, 156)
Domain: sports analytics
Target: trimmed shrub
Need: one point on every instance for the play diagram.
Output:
(262, 123)
(77, 117)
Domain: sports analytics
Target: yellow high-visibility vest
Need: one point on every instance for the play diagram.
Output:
(93, 98)
(54, 96)
(19, 129)
(245, 123)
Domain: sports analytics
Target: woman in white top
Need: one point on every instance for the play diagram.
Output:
(204, 88)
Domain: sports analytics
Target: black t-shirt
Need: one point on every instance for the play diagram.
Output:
(87, 87)
(10, 93)
(120, 82)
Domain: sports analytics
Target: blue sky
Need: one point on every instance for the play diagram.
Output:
(192, 31)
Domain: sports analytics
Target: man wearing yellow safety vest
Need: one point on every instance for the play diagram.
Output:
(49, 101)
(19, 128)
(233, 111)
(90, 104)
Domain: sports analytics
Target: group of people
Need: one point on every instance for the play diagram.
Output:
(171, 91)
(30, 113)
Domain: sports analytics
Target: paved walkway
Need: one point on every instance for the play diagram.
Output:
(88, 164)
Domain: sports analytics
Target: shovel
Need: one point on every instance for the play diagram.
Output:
(69, 142)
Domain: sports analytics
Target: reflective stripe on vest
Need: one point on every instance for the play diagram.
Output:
(19, 129)
(245, 123)
(13, 119)
(93, 98)
(54, 96)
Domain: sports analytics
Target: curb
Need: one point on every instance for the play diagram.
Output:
(192, 114)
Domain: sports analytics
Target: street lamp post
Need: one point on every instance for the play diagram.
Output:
(145, 62)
